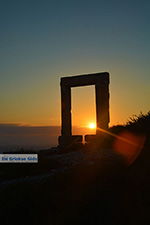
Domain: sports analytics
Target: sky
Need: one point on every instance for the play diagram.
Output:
(41, 41)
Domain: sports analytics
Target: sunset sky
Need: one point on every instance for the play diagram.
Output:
(41, 41)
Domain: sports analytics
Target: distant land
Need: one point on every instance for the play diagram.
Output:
(15, 136)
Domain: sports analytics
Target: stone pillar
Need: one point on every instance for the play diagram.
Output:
(66, 110)
(102, 106)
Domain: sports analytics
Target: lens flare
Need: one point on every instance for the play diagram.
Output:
(131, 148)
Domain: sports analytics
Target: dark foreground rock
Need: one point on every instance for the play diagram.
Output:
(79, 188)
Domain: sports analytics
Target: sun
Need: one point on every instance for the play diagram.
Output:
(92, 125)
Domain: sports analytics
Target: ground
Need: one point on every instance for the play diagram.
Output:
(77, 188)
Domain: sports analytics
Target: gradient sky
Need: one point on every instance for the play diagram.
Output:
(40, 41)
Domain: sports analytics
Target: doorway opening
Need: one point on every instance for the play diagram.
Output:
(83, 110)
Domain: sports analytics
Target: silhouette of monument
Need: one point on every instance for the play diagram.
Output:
(101, 82)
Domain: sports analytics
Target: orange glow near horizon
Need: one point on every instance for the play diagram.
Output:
(45, 110)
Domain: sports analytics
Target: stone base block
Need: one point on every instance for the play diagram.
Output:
(89, 138)
(69, 141)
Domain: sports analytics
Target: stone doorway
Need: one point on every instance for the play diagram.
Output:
(101, 82)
